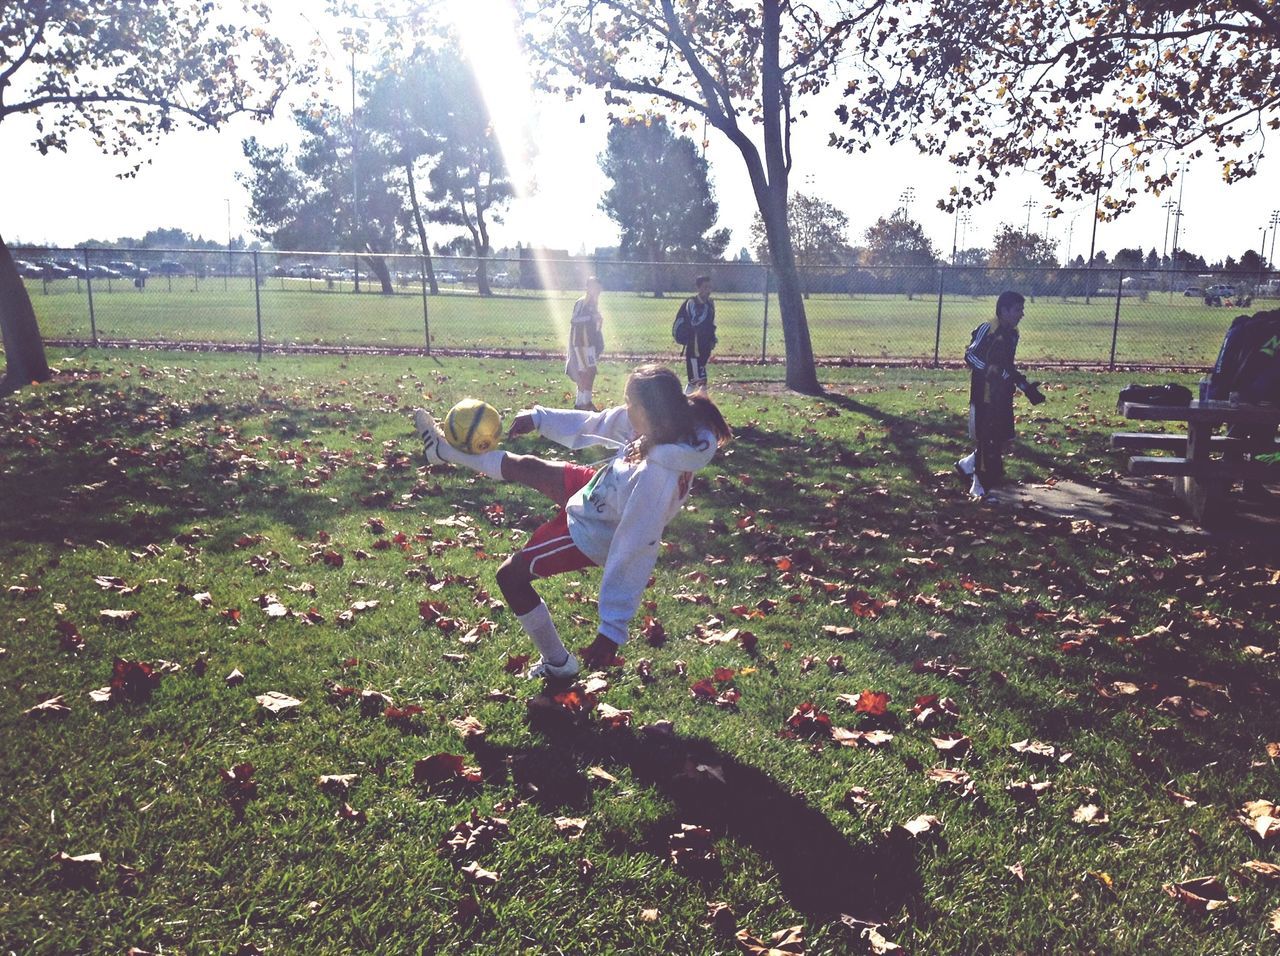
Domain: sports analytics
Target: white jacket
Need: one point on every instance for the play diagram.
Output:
(618, 518)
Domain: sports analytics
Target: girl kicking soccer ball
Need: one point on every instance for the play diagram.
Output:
(611, 516)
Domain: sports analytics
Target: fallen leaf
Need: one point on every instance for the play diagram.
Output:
(1267, 872)
(53, 707)
(1036, 750)
(469, 727)
(443, 768)
(1261, 818)
(1090, 815)
(785, 942)
(278, 703)
(479, 875)
(234, 679)
(571, 827)
(1204, 895)
(351, 814)
(923, 825)
(338, 783)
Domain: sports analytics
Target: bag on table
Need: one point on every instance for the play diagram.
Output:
(1170, 393)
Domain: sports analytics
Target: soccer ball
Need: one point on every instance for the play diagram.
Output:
(473, 426)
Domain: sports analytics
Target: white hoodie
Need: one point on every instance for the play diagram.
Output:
(618, 518)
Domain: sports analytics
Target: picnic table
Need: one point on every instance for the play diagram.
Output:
(1204, 465)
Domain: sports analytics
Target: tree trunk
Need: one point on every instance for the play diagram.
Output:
(802, 376)
(23, 346)
(378, 266)
(432, 284)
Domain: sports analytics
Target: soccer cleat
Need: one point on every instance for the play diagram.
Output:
(976, 490)
(548, 671)
(432, 438)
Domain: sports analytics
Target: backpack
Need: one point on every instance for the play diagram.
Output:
(682, 328)
(1249, 360)
(1167, 394)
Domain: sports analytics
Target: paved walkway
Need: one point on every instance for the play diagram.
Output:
(1146, 504)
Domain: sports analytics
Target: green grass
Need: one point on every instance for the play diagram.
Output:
(1165, 329)
(178, 473)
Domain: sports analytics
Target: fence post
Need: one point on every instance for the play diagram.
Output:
(88, 284)
(257, 301)
(937, 332)
(1115, 326)
(426, 321)
(764, 335)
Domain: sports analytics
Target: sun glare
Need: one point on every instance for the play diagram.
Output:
(487, 32)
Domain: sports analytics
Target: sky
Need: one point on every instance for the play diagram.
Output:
(189, 180)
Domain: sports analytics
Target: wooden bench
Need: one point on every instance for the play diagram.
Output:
(1202, 482)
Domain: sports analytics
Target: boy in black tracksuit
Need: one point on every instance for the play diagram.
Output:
(994, 377)
(695, 329)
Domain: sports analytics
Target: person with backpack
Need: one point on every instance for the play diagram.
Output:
(993, 380)
(1248, 365)
(695, 330)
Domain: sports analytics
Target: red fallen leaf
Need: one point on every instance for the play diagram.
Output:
(133, 680)
(615, 661)
(808, 721)
(612, 717)
(69, 638)
(653, 631)
(516, 664)
(402, 716)
(586, 869)
(785, 942)
(703, 690)
(836, 663)
(232, 616)
(748, 641)
(575, 701)
(1204, 895)
(728, 698)
(443, 768)
(807, 663)
(723, 675)
(872, 702)
(376, 525)
(431, 611)
(332, 558)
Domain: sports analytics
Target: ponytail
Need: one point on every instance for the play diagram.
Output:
(674, 417)
(707, 415)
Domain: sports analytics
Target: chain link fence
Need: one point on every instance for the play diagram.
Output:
(269, 300)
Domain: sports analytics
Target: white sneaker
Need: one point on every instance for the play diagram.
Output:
(976, 489)
(432, 438)
(548, 671)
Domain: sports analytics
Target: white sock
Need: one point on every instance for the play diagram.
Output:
(976, 488)
(584, 397)
(488, 463)
(968, 463)
(542, 631)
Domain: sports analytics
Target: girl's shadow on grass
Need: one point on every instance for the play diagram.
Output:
(820, 871)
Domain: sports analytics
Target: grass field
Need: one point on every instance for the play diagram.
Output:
(272, 520)
(1165, 330)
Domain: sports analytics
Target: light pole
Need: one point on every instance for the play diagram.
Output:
(907, 196)
(1027, 205)
(355, 182)
(228, 273)
(1177, 215)
(1275, 224)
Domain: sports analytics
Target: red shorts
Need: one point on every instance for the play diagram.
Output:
(551, 551)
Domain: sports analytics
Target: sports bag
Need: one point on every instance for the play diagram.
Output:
(682, 328)
(1249, 360)
(1170, 393)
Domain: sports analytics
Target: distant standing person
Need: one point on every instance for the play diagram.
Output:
(586, 343)
(993, 378)
(695, 329)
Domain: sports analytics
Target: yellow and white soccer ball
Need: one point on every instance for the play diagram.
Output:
(473, 426)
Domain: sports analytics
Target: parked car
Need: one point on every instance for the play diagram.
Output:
(52, 270)
(167, 267)
(503, 280)
(1221, 290)
(98, 271)
(72, 266)
(28, 270)
(1193, 292)
(126, 268)
(447, 278)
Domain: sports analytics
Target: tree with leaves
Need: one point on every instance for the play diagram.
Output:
(900, 254)
(307, 202)
(660, 195)
(744, 69)
(1025, 259)
(819, 235)
(1090, 95)
(122, 73)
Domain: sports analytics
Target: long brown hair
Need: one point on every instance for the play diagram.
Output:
(673, 416)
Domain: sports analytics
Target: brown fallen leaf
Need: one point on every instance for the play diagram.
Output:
(723, 920)
(1036, 750)
(785, 942)
(1262, 818)
(649, 916)
(444, 768)
(479, 875)
(571, 827)
(1028, 791)
(337, 783)
(921, 826)
(53, 707)
(278, 703)
(469, 727)
(114, 616)
(234, 679)
(601, 775)
(1090, 815)
(1204, 895)
(952, 745)
(1273, 751)
(1177, 797)
(351, 814)
(79, 870)
(1267, 872)
(1018, 872)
